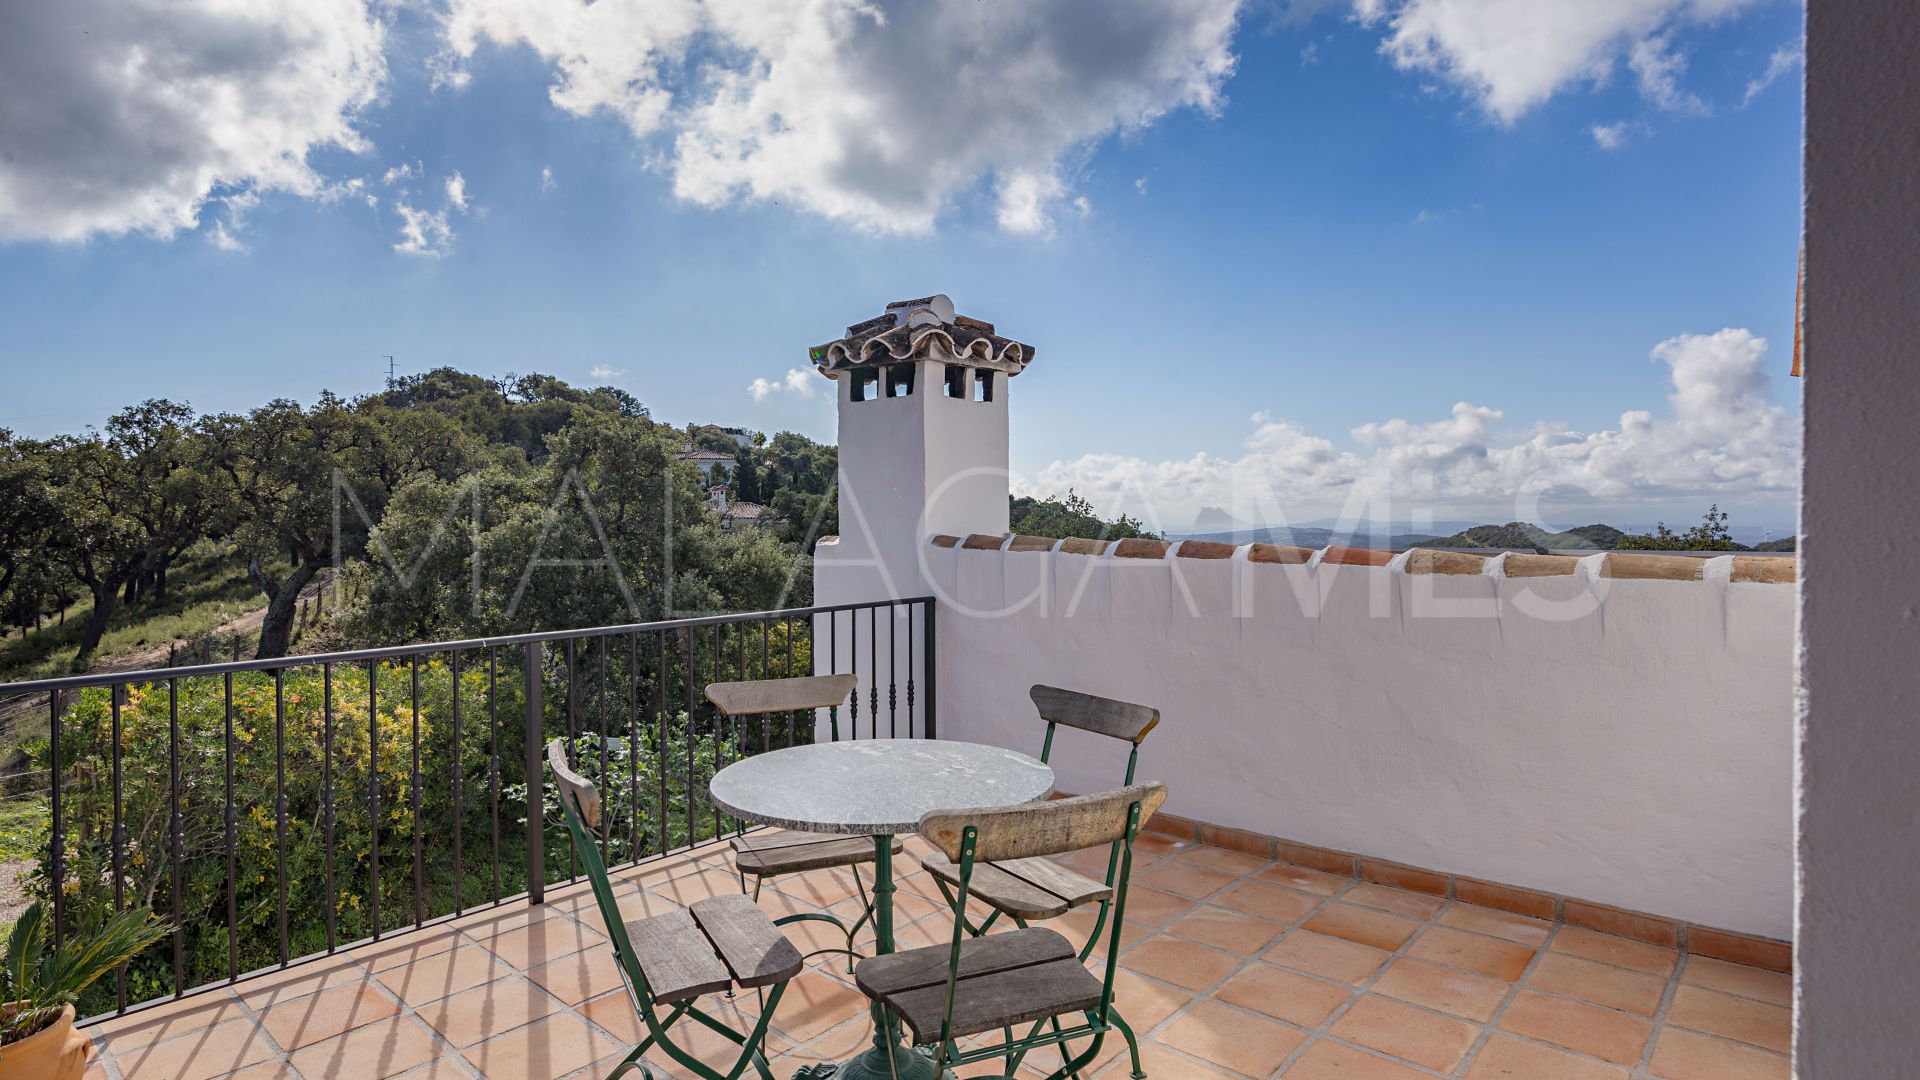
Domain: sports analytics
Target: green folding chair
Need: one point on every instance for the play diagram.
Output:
(763, 855)
(1032, 890)
(669, 961)
(974, 985)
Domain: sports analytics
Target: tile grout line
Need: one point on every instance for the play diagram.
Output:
(1644, 1068)
(1512, 995)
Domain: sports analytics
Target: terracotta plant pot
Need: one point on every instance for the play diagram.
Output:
(57, 1052)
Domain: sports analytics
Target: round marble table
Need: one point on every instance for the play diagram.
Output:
(877, 788)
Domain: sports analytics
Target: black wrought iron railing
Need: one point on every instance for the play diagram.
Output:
(279, 811)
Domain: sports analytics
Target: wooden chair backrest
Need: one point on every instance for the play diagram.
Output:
(1103, 716)
(781, 695)
(585, 798)
(1042, 828)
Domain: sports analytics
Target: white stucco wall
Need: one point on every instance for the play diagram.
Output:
(1623, 741)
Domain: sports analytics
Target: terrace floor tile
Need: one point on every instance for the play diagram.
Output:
(310, 1019)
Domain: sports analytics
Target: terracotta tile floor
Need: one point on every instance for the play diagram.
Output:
(1233, 967)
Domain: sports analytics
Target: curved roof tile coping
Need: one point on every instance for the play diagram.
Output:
(1081, 546)
(909, 330)
(1623, 565)
(1278, 554)
(1617, 564)
(1435, 561)
(1766, 569)
(1135, 547)
(1523, 564)
(1352, 556)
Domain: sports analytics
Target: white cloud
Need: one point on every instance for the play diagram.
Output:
(1513, 55)
(127, 115)
(1612, 136)
(1140, 185)
(546, 178)
(879, 116)
(219, 237)
(1658, 67)
(428, 233)
(800, 382)
(457, 192)
(1784, 59)
(406, 170)
(606, 372)
(423, 232)
(1722, 437)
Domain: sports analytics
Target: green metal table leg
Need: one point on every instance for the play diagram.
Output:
(888, 1058)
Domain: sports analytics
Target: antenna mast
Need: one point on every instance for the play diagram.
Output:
(389, 360)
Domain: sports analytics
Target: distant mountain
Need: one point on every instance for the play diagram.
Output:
(1789, 543)
(1527, 536)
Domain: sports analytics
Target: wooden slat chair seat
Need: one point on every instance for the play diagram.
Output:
(977, 984)
(715, 945)
(1005, 979)
(772, 854)
(1024, 888)
(764, 855)
(670, 960)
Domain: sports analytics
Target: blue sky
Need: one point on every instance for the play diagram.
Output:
(1340, 232)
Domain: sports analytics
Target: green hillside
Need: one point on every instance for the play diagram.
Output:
(1526, 536)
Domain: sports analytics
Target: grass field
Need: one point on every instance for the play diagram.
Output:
(23, 826)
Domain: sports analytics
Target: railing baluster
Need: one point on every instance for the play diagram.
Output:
(413, 794)
(373, 793)
(660, 760)
(600, 715)
(766, 721)
(119, 841)
(893, 693)
(232, 820)
(691, 729)
(873, 672)
(573, 747)
(493, 760)
(928, 617)
(459, 802)
(633, 747)
(853, 668)
(326, 791)
(536, 779)
(722, 726)
(911, 608)
(56, 843)
(176, 844)
(280, 807)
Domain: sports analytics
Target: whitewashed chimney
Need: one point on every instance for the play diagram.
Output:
(922, 397)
